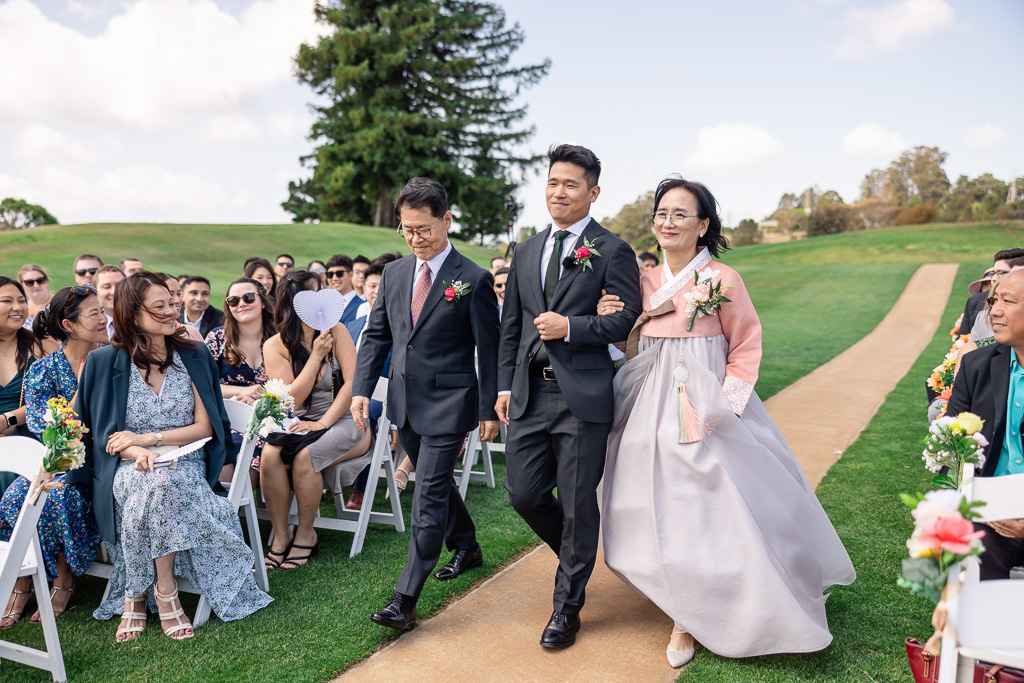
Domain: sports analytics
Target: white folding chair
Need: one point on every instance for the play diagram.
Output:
(473, 445)
(1004, 499)
(381, 465)
(22, 556)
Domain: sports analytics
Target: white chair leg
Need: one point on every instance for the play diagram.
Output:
(54, 655)
(202, 612)
(485, 455)
(256, 542)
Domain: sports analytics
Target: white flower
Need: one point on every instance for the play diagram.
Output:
(49, 419)
(936, 504)
(266, 427)
(708, 274)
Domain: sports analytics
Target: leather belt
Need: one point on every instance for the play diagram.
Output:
(633, 341)
(546, 373)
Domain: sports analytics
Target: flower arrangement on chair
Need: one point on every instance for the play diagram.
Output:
(270, 409)
(65, 450)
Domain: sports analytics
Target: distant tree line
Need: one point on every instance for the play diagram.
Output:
(18, 214)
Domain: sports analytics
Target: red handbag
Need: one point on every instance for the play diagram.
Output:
(925, 667)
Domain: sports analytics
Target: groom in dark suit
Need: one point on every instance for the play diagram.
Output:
(436, 309)
(555, 375)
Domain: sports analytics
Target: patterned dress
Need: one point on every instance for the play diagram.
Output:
(242, 376)
(66, 524)
(174, 510)
(11, 399)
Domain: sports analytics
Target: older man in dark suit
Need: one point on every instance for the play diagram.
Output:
(555, 375)
(436, 310)
(991, 385)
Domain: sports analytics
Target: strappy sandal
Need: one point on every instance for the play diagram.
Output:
(272, 563)
(15, 616)
(314, 550)
(400, 483)
(53, 591)
(180, 626)
(129, 632)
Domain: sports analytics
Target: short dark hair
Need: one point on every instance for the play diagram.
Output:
(340, 260)
(287, 256)
(195, 278)
(707, 207)
(1016, 262)
(83, 257)
(580, 156)
(648, 256)
(497, 258)
(361, 259)
(1008, 254)
(374, 269)
(130, 258)
(422, 193)
(316, 260)
(504, 270)
(387, 258)
(253, 258)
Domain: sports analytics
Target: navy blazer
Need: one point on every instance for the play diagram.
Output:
(582, 365)
(350, 311)
(102, 403)
(434, 385)
(212, 319)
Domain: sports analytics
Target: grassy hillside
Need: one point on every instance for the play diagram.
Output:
(216, 251)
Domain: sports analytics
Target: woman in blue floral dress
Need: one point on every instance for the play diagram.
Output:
(67, 528)
(151, 391)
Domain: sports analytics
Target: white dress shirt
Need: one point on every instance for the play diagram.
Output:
(434, 264)
(110, 327)
(568, 244)
(346, 299)
(198, 321)
(363, 310)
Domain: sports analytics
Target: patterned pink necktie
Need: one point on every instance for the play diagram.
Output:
(419, 295)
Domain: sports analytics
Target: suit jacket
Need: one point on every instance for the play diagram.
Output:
(982, 387)
(350, 311)
(212, 319)
(974, 306)
(102, 403)
(356, 326)
(582, 365)
(434, 386)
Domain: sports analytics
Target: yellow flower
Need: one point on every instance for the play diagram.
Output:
(969, 422)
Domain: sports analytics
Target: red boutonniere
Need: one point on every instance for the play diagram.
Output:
(582, 255)
(455, 290)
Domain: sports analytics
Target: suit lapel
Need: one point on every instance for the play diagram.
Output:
(120, 380)
(403, 273)
(448, 272)
(573, 271)
(1000, 374)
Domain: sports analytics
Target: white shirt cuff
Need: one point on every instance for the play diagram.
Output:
(504, 393)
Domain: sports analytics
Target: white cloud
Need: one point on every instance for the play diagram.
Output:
(872, 140)
(983, 137)
(230, 128)
(733, 147)
(37, 142)
(157, 62)
(289, 126)
(869, 32)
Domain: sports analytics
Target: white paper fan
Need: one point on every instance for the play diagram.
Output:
(320, 310)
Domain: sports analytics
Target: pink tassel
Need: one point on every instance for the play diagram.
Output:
(691, 427)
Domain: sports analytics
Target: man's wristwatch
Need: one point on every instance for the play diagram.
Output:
(11, 420)
(159, 437)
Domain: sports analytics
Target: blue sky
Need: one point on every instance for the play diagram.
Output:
(186, 110)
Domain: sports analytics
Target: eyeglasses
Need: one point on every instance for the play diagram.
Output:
(994, 273)
(332, 274)
(677, 218)
(286, 264)
(318, 271)
(37, 281)
(90, 271)
(232, 301)
(422, 233)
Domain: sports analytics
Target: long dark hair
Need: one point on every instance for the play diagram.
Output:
(232, 354)
(288, 323)
(252, 265)
(26, 340)
(129, 304)
(707, 207)
(66, 304)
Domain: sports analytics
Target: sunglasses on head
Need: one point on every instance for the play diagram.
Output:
(38, 281)
(232, 301)
(90, 271)
(80, 290)
(337, 273)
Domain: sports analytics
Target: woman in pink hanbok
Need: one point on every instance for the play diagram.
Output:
(706, 510)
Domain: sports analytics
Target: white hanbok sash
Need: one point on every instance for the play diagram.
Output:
(671, 284)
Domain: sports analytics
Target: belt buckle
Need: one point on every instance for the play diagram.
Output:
(548, 374)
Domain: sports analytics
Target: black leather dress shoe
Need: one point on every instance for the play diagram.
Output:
(561, 630)
(399, 613)
(461, 561)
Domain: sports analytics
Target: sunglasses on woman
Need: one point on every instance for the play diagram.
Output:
(233, 301)
(37, 281)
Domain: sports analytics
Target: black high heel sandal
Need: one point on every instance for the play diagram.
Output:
(314, 550)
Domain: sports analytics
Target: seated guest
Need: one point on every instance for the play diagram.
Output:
(85, 268)
(37, 288)
(176, 301)
(500, 278)
(106, 279)
(68, 535)
(260, 270)
(359, 265)
(198, 312)
(339, 278)
(648, 261)
(181, 280)
(991, 385)
(326, 435)
(152, 390)
(497, 263)
(18, 350)
(976, 303)
(319, 268)
(238, 349)
(130, 266)
(284, 264)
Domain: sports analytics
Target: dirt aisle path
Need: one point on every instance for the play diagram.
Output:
(492, 633)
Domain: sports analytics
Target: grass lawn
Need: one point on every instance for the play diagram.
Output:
(870, 618)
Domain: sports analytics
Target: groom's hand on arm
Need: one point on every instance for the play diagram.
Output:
(361, 411)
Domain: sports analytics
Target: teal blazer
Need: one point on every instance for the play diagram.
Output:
(102, 403)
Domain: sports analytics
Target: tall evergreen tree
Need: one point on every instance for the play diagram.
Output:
(414, 87)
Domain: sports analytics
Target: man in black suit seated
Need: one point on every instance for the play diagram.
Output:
(198, 312)
(991, 385)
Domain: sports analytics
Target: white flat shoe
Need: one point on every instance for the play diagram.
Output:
(679, 658)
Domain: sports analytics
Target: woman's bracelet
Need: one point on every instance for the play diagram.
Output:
(321, 424)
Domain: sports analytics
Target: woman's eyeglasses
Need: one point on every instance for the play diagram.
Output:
(332, 274)
(37, 281)
(233, 301)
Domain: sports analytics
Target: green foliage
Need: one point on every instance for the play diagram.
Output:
(745, 233)
(829, 219)
(17, 214)
(915, 215)
(414, 88)
(633, 221)
(874, 213)
(981, 198)
(829, 198)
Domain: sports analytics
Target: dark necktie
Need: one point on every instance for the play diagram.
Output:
(550, 282)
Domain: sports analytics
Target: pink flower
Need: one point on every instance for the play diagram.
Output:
(449, 293)
(582, 252)
(980, 438)
(954, 534)
(936, 505)
(701, 293)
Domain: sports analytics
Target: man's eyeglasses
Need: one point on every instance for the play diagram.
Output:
(90, 271)
(285, 264)
(677, 217)
(332, 274)
(233, 301)
(37, 281)
(422, 233)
